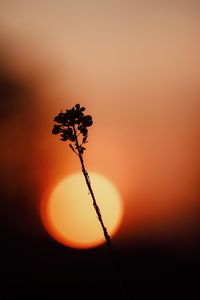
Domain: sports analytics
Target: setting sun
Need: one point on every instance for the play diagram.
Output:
(68, 214)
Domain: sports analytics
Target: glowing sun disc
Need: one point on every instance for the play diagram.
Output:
(69, 216)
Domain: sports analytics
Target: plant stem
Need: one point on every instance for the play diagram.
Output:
(96, 207)
(98, 212)
(87, 179)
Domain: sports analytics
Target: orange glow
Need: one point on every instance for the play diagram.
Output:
(68, 214)
(135, 68)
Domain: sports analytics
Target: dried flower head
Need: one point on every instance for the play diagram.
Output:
(73, 124)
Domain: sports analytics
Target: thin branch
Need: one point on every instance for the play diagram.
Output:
(70, 145)
(96, 207)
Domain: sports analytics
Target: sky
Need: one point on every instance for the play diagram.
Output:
(135, 66)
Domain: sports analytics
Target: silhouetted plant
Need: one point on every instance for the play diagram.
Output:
(72, 126)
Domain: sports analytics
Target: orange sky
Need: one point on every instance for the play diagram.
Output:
(135, 66)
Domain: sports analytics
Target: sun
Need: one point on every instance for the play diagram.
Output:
(69, 216)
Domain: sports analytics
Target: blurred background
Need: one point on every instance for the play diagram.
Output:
(135, 66)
